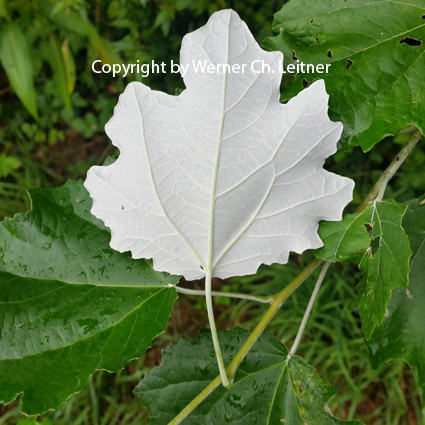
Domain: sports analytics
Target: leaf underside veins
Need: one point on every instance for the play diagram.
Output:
(222, 177)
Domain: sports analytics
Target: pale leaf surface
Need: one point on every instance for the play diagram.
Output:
(222, 177)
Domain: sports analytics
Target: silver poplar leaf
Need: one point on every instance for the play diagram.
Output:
(222, 177)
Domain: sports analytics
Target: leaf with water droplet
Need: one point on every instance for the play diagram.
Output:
(69, 304)
(268, 386)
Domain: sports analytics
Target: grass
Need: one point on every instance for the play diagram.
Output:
(332, 342)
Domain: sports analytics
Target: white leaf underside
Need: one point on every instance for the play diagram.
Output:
(222, 177)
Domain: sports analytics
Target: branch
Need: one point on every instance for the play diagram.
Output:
(377, 191)
(309, 308)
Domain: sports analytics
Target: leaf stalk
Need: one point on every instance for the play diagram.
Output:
(210, 311)
(257, 298)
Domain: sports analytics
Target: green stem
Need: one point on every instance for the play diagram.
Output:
(278, 300)
(377, 191)
(210, 311)
(196, 401)
(258, 298)
(307, 312)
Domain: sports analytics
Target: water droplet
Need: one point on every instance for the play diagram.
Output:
(46, 246)
(108, 252)
(23, 267)
(228, 417)
(235, 400)
(87, 324)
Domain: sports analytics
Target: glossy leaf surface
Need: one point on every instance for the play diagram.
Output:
(70, 304)
(269, 387)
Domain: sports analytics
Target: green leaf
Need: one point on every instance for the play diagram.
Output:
(269, 388)
(53, 54)
(70, 304)
(344, 240)
(385, 264)
(377, 54)
(402, 335)
(16, 60)
(78, 22)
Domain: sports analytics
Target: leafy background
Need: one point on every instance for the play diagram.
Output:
(53, 130)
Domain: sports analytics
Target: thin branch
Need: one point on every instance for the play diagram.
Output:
(309, 308)
(260, 299)
(377, 191)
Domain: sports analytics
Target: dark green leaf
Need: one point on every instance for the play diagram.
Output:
(385, 264)
(16, 60)
(70, 304)
(402, 335)
(377, 54)
(344, 240)
(269, 388)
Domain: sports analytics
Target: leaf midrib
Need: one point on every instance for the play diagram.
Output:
(210, 265)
